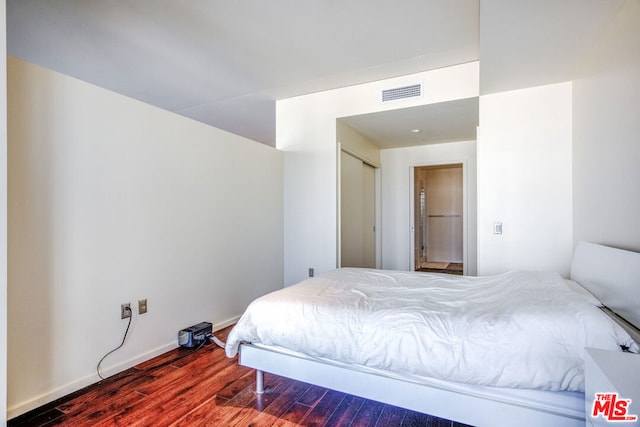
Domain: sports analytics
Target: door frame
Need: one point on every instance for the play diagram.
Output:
(465, 215)
(378, 206)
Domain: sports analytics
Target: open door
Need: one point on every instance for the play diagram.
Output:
(438, 211)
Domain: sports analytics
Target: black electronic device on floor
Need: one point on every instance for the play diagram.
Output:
(195, 335)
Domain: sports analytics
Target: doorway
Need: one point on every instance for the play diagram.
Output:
(438, 219)
(357, 212)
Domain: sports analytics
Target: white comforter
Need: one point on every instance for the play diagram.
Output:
(519, 329)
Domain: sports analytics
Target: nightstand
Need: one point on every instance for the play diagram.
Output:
(608, 372)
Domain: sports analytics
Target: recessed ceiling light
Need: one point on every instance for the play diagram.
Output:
(416, 130)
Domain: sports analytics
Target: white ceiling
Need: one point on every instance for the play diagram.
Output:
(527, 43)
(226, 62)
(437, 123)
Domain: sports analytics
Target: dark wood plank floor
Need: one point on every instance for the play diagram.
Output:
(205, 388)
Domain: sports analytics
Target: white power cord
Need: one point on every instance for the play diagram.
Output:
(217, 341)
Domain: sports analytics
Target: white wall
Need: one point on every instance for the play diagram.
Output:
(357, 144)
(606, 165)
(524, 180)
(306, 132)
(397, 216)
(3, 213)
(112, 200)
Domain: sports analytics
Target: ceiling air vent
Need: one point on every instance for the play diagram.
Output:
(404, 92)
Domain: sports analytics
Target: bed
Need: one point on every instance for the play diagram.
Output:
(495, 350)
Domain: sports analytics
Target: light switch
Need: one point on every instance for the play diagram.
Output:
(497, 228)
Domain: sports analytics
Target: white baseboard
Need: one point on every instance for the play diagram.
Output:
(50, 396)
(225, 323)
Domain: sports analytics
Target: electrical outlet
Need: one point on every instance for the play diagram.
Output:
(311, 272)
(125, 310)
(142, 306)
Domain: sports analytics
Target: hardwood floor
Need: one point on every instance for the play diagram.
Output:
(205, 388)
(451, 268)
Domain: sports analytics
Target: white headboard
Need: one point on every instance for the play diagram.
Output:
(612, 275)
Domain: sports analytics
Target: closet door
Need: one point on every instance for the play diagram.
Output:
(357, 213)
(368, 216)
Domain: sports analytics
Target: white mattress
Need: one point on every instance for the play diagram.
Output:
(517, 330)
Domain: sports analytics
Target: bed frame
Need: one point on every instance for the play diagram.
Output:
(612, 275)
